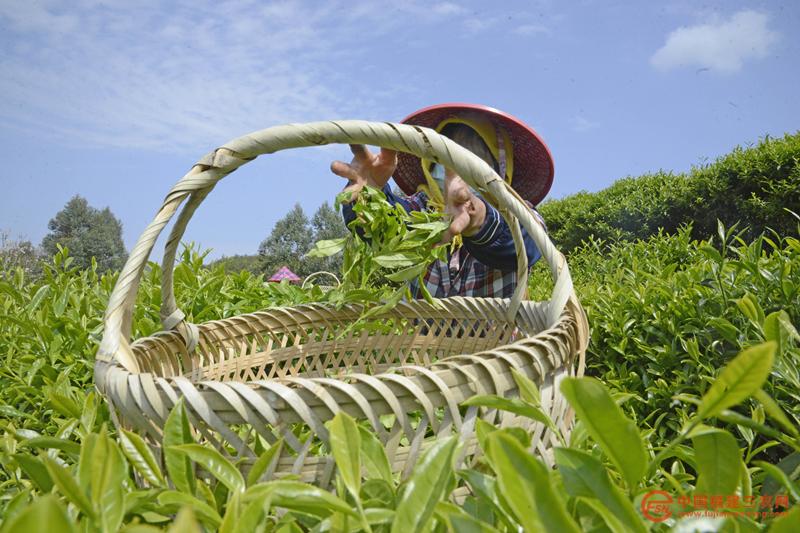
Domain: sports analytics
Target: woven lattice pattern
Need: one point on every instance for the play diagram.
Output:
(283, 372)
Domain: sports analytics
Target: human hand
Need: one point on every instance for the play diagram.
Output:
(366, 168)
(466, 210)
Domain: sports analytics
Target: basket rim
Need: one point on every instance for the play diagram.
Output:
(201, 179)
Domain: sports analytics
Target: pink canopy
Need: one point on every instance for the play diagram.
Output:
(284, 273)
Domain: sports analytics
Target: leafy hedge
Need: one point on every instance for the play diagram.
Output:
(685, 308)
(756, 184)
(667, 312)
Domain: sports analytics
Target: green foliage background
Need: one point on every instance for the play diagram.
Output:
(756, 185)
(694, 347)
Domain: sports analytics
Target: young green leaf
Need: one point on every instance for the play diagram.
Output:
(408, 273)
(109, 470)
(35, 469)
(740, 379)
(68, 446)
(45, 514)
(483, 486)
(345, 443)
(512, 405)
(176, 432)
(616, 434)
(301, 497)
(395, 260)
(718, 457)
(458, 520)
(774, 410)
(790, 466)
(327, 248)
(528, 391)
(780, 476)
(68, 487)
(778, 327)
(373, 453)
(207, 514)
(141, 457)
(584, 476)
(264, 462)
(526, 484)
(425, 487)
(750, 308)
(213, 461)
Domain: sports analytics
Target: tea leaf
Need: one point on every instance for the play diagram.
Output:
(45, 514)
(512, 405)
(345, 443)
(750, 308)
(176, 432)
(528, 391)
(617, 435)
(584, 476)
(68, 487)
(374, 454)
(35, 469)
(458, 520)
(327, 248)
(425, 487)
(264, 462)
(213, 461)
(207, 514)
(141, 457)
(302, 497)
(774, 410)
(718, 459)
(780, 477)
(740, 379)
(526, 484)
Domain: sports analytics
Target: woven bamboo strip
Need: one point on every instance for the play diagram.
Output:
(263, 375)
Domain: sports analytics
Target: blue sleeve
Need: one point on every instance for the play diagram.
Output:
(493, 245)
(415, 202)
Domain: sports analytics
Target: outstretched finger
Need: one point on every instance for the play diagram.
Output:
(340, 168)
(359, 151)
(388, 155)
(458, 224)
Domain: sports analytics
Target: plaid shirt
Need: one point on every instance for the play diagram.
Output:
(485, 266)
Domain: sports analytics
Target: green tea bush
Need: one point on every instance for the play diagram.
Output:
(605, 475)
(667, 312)
(759, 185)
(51, 326)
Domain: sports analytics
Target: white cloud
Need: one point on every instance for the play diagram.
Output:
(532, 29)
(582, 124)
(182, 74)
(722, 45)
(447, 8)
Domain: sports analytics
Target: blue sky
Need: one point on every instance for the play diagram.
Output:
(115, 100)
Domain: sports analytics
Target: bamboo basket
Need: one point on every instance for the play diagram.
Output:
(285, 371)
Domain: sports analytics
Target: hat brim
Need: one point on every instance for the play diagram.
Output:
(533, 162)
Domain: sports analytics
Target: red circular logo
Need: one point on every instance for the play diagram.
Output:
(656, 505)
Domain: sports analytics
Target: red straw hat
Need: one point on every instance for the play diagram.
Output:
(532, 162)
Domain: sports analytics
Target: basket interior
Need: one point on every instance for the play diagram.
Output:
(320, 341)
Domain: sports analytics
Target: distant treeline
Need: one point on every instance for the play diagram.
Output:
(757, 186)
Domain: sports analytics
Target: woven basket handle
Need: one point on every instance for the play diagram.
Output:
(201, 179)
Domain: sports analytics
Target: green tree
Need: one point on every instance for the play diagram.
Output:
(327, 224)
(87, 232)
(290, 240)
